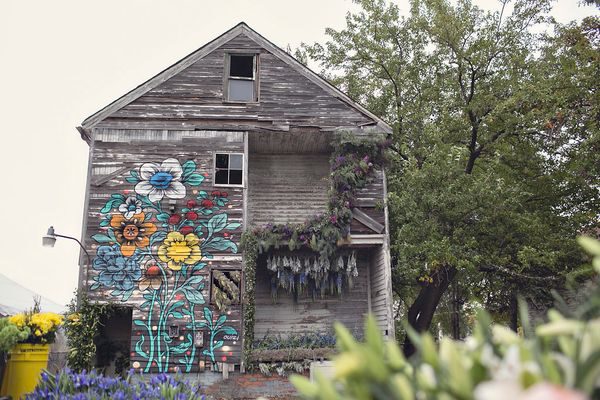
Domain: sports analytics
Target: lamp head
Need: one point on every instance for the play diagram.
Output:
(49, 239)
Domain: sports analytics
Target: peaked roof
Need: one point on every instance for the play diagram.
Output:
(241, 28)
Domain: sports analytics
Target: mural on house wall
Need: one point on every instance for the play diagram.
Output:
(147, 247)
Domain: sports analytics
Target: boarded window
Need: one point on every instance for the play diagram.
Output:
(241, 78)
(229, 169)
(225, 288)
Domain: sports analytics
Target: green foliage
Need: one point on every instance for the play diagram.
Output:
(249, 244)
(495, 145)
(82, 326)
(11, 334)
(561, 356)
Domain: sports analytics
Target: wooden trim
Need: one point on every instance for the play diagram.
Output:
(103, 179)
(388, 262)
(190, 59)
(215, 184)
(366, 239)
(245, 182)
(369, 222)
(82, 283)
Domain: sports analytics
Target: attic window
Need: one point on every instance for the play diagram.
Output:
(229, 169)
(241, 83)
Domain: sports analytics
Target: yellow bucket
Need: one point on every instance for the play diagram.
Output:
(23, 369)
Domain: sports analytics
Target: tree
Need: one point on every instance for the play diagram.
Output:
(486, 191)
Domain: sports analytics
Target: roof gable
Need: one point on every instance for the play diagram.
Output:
(231, 39)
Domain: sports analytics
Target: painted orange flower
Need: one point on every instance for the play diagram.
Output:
(132, 233)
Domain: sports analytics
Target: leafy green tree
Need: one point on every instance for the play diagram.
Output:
(491, 176)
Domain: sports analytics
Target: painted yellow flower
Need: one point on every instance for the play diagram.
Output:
(177, 250)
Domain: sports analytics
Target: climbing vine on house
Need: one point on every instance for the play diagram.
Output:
(352, 164)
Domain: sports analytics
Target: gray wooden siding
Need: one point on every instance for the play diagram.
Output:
(194, 98)
(381, 299)
(284, 316)
(286, 187)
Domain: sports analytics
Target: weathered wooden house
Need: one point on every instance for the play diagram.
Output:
(236, 137)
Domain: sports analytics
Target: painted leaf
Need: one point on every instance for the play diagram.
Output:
(208, 316)
(218, 344)
(140, 323)
(217, 224)
(176, 314)
(182, 347)
(228, 330)
(194, 280)
(188, 167)
(202, 195)
(194, 296)
(198, 267)
(221, 244)
(194, 179)
(233, 225)
(100, 238)
(163, 217)
(138, 347)
(221, 320)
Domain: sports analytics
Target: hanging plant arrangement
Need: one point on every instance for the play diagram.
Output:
(313, 275)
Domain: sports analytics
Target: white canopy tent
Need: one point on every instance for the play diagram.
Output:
(15, 298)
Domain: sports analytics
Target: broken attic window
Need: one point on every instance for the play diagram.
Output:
(241, 82)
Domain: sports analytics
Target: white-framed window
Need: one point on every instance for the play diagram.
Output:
(228, 169)
(241, 77)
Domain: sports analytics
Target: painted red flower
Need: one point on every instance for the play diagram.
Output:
(207, 203)
(174, 219)
(216, 193)
(191, 203)
(191, 215)
(223, 194)
(186, 229)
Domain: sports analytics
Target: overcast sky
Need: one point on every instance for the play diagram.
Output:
(61, 61)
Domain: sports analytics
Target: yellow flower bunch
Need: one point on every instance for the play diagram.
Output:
(20, 320)
(42, 325)
(45, 322)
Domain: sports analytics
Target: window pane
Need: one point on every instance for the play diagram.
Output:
(222, 160)
(235, 177)
(235, 161)
(242, 66)
(240, 90)
(221, 177)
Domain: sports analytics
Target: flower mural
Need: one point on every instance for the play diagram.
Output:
(171, 245)
(178, 249)
(158, 181)
(131, 207)
(132, 233)
(116, 271)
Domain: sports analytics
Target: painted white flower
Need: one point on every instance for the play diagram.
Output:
(131, 207)
(158, 181)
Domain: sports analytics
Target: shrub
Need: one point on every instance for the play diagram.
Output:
(558, 359)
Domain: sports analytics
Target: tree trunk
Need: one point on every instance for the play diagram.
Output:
(421, 311)
(455, 317)
(514, 312)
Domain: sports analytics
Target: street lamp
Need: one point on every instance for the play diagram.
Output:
(50, 239)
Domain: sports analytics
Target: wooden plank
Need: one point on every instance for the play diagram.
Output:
(366, 220)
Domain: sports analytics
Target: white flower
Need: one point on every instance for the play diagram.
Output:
(498, 390)
(131, 207)
(158, 181)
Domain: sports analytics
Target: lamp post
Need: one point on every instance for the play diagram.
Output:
(50, 239)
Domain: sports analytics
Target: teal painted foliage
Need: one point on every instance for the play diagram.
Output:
(147, 247)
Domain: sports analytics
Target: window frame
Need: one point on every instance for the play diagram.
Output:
(214, 174)
(255, 76)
